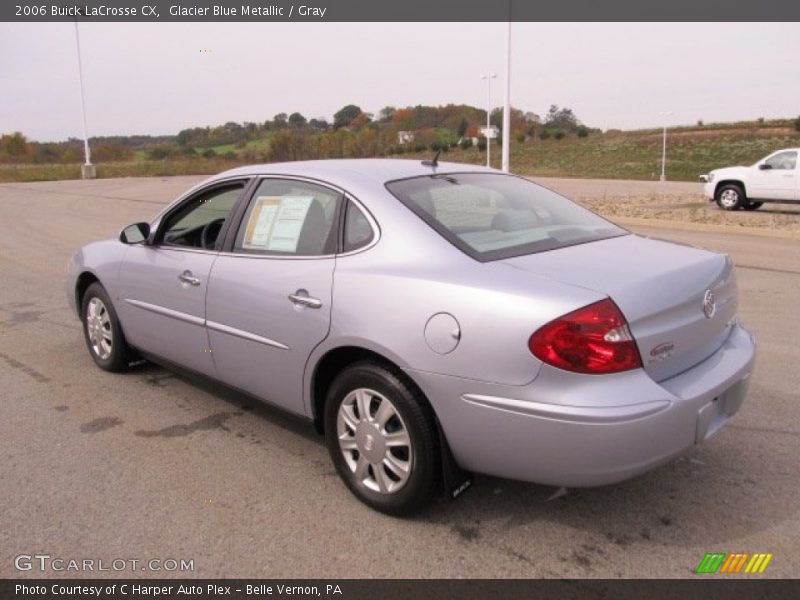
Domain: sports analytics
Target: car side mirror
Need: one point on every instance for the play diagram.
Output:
(135, 234)
(764, 167)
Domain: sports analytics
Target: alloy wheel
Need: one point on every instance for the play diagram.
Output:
(98, 327)
(374, 441)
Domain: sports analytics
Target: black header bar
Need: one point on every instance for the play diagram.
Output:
(402, 11)
(701, 588)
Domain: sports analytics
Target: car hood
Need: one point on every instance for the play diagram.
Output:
(729, 171)
(660, 288)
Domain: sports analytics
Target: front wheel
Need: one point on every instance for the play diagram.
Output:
(102, 331)
(381, 436)
(730, 197)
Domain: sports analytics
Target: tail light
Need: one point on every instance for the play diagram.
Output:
(593, 339)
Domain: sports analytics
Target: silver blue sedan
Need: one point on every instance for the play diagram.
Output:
(432, 320)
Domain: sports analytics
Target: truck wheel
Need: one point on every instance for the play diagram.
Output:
(753, 205)
(731, 197)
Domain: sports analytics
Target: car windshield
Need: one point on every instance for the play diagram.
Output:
(493, 216)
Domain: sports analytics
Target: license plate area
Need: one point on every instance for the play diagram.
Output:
(712, 416)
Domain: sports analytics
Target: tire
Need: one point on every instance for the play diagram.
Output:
(730, 197)
(395, 479)
(753, 205)
(102, 331)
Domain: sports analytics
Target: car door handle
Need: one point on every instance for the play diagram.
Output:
(301, 298)
(187, 277)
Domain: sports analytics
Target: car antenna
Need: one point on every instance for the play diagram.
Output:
(433, 163)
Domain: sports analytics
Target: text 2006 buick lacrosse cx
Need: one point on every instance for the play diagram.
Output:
(429, 318)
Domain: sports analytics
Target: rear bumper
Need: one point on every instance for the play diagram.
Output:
(582, 430)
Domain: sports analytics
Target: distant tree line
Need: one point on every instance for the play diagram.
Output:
(293, 136)
(16, 148)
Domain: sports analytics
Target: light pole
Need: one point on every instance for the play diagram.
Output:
(507, 102)
(488, 77)
(664, 114)
(87, 169)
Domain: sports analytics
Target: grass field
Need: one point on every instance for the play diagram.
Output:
(612, 155)
(135, 168)
(636, 155)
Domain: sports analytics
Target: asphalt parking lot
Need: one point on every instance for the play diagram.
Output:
(151, 464)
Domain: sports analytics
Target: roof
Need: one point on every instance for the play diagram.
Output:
(376, 171)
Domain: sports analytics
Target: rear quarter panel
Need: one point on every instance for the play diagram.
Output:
(386, 298)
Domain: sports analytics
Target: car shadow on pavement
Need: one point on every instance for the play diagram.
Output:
(711, 495)
(240, 402)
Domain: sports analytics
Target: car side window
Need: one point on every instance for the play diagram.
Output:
(357, 230)
(783, 160)
(288, 217)
(198, 222)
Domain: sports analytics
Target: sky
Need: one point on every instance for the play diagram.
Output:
(159, 78)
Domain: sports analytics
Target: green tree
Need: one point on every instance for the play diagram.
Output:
(14, 144)
(561, 118)
(279, 121)
(291, 145)
(346, 115)
(386, 114)
(297, 120)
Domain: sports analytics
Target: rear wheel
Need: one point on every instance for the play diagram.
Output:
(731, 197)
(753, 205)
(102, 331)
(381, 436)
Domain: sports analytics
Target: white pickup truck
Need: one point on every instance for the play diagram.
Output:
(775, 178)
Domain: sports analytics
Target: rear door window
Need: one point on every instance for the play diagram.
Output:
(289, 217)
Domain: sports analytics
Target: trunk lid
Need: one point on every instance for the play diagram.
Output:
(662, 289)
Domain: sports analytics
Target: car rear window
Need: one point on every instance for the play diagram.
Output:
(493, 216)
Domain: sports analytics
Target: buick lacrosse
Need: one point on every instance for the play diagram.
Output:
(432, 320)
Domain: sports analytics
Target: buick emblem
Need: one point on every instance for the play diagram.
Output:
(709, 304)
(369, 442)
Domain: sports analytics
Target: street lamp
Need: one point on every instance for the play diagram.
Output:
(664, 114)
(87, 169)
(507, 102)
(488, 77)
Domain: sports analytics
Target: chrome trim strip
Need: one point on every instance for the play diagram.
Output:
(581, 414)
(181, 316)
(167, 312)
(276, 256)
(245, 335)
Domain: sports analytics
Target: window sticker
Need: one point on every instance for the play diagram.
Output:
(276, 222)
